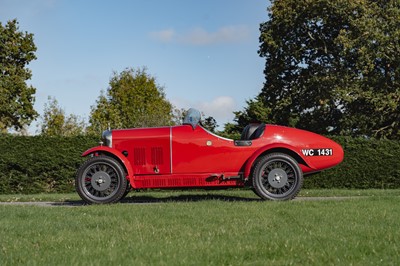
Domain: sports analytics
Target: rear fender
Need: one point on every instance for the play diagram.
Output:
(276, 147)
(104, 150)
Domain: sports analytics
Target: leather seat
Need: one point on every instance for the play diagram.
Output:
(252, 131)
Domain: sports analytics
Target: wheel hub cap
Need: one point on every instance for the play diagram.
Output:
(277, 178)
(101, 181)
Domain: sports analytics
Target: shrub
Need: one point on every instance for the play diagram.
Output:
(368, 163)
(40, 164)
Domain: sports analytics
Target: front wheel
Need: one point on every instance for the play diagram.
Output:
(277, 176)
(101, 179)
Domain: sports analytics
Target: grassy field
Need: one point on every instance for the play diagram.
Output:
(205, 228)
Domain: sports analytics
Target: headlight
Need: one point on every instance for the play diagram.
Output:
(107, 138)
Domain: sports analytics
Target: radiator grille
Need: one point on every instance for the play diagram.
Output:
(157, 156)
(139, 156)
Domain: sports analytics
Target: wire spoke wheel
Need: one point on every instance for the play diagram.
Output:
(101, 180)
(277, 176)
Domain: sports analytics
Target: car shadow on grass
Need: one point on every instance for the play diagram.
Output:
(169, 199)
(185, 198)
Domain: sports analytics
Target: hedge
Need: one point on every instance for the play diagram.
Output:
(36, 164)
(48, 164)
(368, 163)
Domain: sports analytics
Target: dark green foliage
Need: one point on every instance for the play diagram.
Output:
(133, 99)
(40, 164)
(48, 164)
(17, 50)
(254, 112)
(332, 67)
(368, 163)
(209, 123)
(56, 123)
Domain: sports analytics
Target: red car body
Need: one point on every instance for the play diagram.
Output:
(190, 156)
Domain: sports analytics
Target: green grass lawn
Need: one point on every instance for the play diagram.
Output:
(205, 228)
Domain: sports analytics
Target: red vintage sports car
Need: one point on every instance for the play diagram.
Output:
(269, 159)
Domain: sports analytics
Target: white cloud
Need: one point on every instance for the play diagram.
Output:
(221, 108)
(164, 35)
(199, 36)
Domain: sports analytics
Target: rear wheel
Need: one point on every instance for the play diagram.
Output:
(277, 176)
(100, 180)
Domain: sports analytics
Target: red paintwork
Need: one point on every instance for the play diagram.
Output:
(181, 156)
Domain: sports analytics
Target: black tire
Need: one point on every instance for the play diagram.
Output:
(128, 189)
(100, 180)
(277, 176)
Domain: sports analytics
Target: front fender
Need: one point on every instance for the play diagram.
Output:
(279, 147)
(113, 153)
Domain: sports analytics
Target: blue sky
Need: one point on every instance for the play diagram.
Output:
(204, 53)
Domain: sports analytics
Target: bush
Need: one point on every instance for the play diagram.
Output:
(368, 163)
(48, 164)
(40, 164)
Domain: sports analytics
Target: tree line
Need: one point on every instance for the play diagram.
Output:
(331, 66)
(133, 99)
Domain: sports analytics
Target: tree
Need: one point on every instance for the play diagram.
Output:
(178, 114)
(209, 123)
(17, 50)
(56, 123)
(133, 99)
(254, 112)
(332, 67)
(372, 51)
